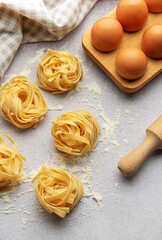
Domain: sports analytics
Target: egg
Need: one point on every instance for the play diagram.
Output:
(131, 63)
(152, 41)
(154, 5)
(106, 34)
(132, 14)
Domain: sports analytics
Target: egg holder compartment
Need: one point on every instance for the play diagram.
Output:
(106, 61)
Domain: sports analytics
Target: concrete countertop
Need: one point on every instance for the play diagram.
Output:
(117, 208)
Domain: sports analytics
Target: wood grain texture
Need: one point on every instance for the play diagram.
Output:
(106, 61)
(129, 164)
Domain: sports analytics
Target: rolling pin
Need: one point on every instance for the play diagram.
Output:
(129, 164)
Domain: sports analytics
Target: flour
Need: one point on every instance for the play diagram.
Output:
(117, 185)
(27, 69)
(57, 108)
(24, 221)
(128, 112)
(27, 212)
(109, 127)
(5, 198)
(106, 150)
(97, 197)
(115, 143)
(28, 66)
(28, 177)
(88, 192)
(92, 87)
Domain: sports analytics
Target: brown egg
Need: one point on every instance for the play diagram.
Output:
(131, 63)
(152, 41)
(154, 5)
(106, 34)
(132, 14)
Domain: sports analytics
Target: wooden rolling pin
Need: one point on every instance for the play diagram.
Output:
(129, 164)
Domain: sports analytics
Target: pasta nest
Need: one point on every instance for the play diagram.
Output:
(57, 190)
(11, 163)
(58, 71)
(22, 103)
(75, 132)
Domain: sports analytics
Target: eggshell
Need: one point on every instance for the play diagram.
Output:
(154, 5)
(106, 34)
(132, 14)
(152, 41)
(131, 63)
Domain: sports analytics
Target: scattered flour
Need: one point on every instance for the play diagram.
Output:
(109, 127)
(8, 210)
(5, 198)
(115, 143)
(128, 112)
(58, 107)
(24, 221)
(41, 209)
(28, 177)
(106, 150)
(117, 185)
(91, 86)
(28, 66)
(88, 192)
(27, 212)
(97, 197)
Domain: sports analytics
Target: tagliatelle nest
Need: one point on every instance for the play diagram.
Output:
(11, 164)
(22, 103)
(58, 71)
(75, 132)
(57, 191)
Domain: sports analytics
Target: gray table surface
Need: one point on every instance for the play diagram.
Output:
(131, 208)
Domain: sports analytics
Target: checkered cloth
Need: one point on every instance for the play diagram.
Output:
(35, 21)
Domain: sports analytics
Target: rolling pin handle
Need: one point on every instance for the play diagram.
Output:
(129, 164)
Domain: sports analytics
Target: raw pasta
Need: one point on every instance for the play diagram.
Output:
(75, 132)
(11, 164)
(22, 103)
(58, 71)
(57, 190)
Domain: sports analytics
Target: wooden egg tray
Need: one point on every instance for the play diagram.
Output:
(106, 61)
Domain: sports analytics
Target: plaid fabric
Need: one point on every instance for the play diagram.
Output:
(35, 21)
